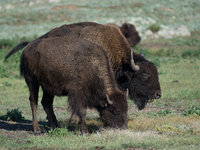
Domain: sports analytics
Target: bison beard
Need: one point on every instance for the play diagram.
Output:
(79, 69)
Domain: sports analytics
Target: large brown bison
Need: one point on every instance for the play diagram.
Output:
(142, 81)
(76, 68)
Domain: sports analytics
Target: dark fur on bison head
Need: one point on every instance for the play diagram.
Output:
(112, 113)
(143, 84)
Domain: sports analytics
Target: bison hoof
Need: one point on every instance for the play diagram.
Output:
(72, 122)
(36, 133)
(84, 131)
(85, 134)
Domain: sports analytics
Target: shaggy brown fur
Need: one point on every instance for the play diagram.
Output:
(143, 84)
(79, 69)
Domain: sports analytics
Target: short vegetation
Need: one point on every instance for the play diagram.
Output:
(154, 28)
(13, 115)
(192, 110)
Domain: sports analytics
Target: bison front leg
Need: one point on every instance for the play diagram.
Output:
(82, 125)
(47, 103)
(80, 111)
(73, 118)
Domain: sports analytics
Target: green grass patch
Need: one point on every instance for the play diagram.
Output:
(13, 115)
(4, 43)
(59, 132)
(191, 54)
(192, 110)
(186, 41)
(1, 138)
(179, 81)
(154, 28)
(165, 112)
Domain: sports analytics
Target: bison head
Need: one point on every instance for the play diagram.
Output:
(114, 112)
(141, 80)
(131, 34)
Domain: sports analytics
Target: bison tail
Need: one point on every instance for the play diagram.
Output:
(16, 49)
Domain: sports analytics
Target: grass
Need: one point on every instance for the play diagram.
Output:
(26, 20)
(154, 133)
(192, 110)
(167, 123)
(13, 115)
(171, 122)
(154, 28)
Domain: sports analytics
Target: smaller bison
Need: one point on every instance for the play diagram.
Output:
(76, 68)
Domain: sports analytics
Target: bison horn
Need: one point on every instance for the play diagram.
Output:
(141, 53)
(128, 26)
(108, 100)
(127, 93)
(133, 65)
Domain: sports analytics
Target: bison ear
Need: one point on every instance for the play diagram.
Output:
(141, 53)
(128, 26)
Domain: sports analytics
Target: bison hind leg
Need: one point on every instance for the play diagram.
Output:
(34, 89)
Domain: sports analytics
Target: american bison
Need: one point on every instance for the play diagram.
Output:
(142, 81)
(79, 69)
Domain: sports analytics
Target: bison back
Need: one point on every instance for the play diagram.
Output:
(62, 63)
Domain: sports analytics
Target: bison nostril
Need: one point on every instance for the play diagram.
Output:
(158, 95)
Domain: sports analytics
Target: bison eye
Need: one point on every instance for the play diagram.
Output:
(126, 34)
(115, 112)
(145, 76)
